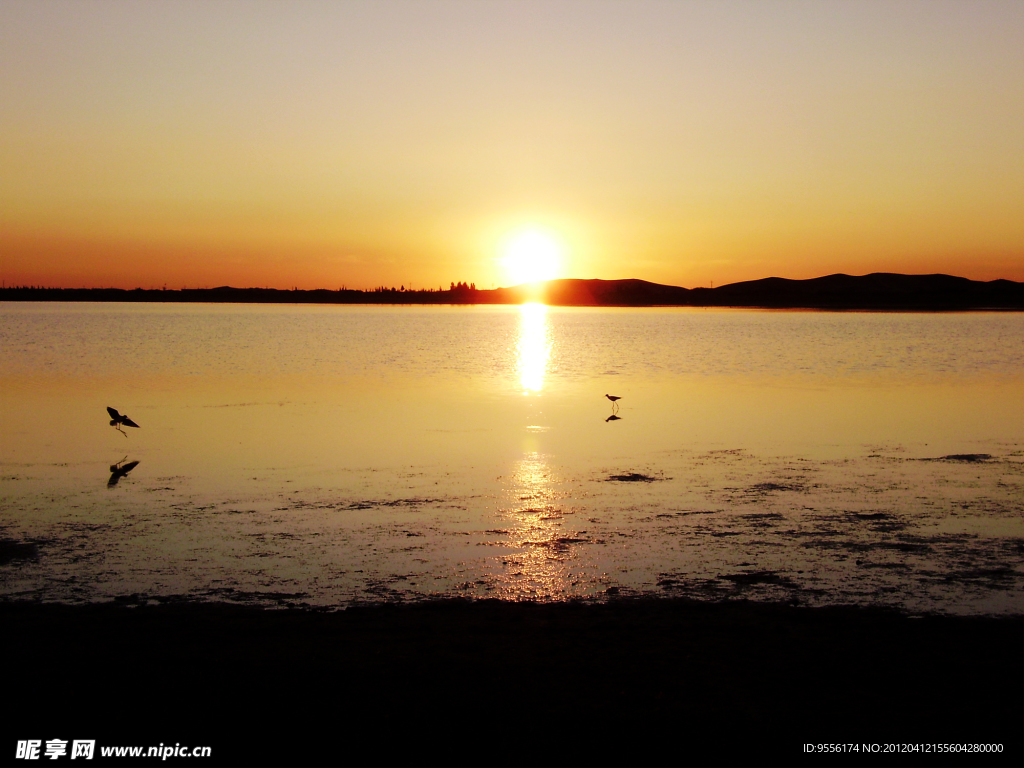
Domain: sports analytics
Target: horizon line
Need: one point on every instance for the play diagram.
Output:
(466, 285)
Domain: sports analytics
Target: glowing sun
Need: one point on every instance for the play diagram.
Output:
(530, 256)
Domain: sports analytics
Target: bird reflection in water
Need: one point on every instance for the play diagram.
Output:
(119, 470)
(613, 417)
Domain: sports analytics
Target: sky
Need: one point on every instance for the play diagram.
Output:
(327, 144)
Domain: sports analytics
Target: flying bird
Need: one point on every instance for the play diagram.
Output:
(613, 398)
(117, 420)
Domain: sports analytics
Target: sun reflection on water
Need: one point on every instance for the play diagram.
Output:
(546, 565)
(533, 347)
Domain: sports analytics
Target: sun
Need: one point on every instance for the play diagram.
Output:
(530, 256)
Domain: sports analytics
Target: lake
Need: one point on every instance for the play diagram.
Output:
(327, 455)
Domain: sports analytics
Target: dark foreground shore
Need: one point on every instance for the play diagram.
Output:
(562, 679)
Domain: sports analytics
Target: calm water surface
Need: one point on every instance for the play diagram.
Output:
(324, 455)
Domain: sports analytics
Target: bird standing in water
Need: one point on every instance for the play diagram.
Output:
(613, 398)
(116, 420)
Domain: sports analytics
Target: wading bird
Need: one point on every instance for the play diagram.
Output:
(116, 420)
(613, 398)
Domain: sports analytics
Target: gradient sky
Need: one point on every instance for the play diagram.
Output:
(321, 144)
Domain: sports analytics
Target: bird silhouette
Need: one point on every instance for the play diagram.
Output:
(117, 420)
(613, 398)
(119, 470)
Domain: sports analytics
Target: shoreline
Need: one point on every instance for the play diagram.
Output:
(671, 669)
(874, 292)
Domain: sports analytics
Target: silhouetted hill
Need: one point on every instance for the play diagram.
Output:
(880, 290)
(875, 291)
(594, 293)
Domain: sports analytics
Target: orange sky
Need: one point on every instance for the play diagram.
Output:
(320, 144)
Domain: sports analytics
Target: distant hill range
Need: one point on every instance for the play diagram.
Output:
(876, 291)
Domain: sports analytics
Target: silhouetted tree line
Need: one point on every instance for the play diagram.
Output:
(458, 293)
